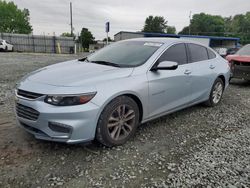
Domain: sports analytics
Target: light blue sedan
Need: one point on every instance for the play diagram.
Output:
(106, 95)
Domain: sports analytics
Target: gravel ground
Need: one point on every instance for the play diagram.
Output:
(196, 147)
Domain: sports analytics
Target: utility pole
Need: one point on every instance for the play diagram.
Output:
(189, 28)
(107, 31)
(71, 22)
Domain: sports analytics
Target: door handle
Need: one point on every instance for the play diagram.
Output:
(212, 67)
(187, 72)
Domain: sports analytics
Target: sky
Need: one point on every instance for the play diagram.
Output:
(53, 16)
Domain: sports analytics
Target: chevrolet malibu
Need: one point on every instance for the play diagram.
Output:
(106, 95)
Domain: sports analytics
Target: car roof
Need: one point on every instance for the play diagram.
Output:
(164, 40)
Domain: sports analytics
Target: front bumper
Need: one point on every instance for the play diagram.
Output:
(241, 71)
(78, 121)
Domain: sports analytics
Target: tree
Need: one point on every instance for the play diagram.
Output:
(109, 39)
(205, 24)
(156, 24)
(233, 26)
(239, 26)
(14, 20)
(86, 38)
(66, 34)
(171, 30)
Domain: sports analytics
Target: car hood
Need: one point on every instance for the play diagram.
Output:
(240, 58)
(77, 73)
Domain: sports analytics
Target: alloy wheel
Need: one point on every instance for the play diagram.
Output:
(121, 122)
(217, 92)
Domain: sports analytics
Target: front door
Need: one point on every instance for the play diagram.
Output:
(169, 89)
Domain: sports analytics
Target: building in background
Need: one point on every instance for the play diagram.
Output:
(220, 44)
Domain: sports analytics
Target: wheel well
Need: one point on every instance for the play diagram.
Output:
(223, 79)
(138, 102)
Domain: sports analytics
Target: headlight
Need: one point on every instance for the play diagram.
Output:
(69, 100)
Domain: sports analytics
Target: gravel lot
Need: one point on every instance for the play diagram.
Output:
(196, 147)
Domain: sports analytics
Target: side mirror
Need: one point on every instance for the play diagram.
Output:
(166, 65)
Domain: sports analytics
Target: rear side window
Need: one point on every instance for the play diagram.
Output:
(197, 53)
(176, 53)
(211, 54)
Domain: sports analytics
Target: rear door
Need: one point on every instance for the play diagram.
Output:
(169, 89)
(202, 65)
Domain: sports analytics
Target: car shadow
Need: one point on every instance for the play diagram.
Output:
(240, 83)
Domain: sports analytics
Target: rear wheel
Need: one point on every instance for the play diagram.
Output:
(118, 122)
(216, 93)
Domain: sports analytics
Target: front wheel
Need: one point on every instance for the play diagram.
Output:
(216, 93)
(118, 122)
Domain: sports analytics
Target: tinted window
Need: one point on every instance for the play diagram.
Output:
(211, 54)
(176, 53)
(197, 52)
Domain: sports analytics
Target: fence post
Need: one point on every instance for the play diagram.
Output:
(45, 44)
(54, 43)
(33, 43)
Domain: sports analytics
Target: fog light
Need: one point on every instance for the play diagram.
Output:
(58, 127)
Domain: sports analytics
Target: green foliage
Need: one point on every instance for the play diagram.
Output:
(171, 30)
(239, 26)
(66, 34)
(156, 24)
(109, 39)
(205, 24)
(86, 38)
(14, 20)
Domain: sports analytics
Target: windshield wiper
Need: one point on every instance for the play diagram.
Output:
(106, 63)
(84, 59)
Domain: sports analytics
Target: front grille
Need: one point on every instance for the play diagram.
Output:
(27, 94)
(26, 112)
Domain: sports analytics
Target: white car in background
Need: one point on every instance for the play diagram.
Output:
(5, 46)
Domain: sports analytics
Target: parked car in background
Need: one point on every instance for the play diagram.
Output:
(5, 46)
(240, 63)
(106, 95)
(232, 51)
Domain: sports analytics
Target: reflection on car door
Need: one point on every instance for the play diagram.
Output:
(202, 75)
(169, 89)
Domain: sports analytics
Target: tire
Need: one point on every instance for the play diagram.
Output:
(216, 93)
(118, 122)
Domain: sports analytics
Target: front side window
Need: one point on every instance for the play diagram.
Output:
(176, 53)
(126, 53)
(197, 53)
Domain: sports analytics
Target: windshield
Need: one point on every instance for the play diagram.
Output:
(245, 50)
(126, 53)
